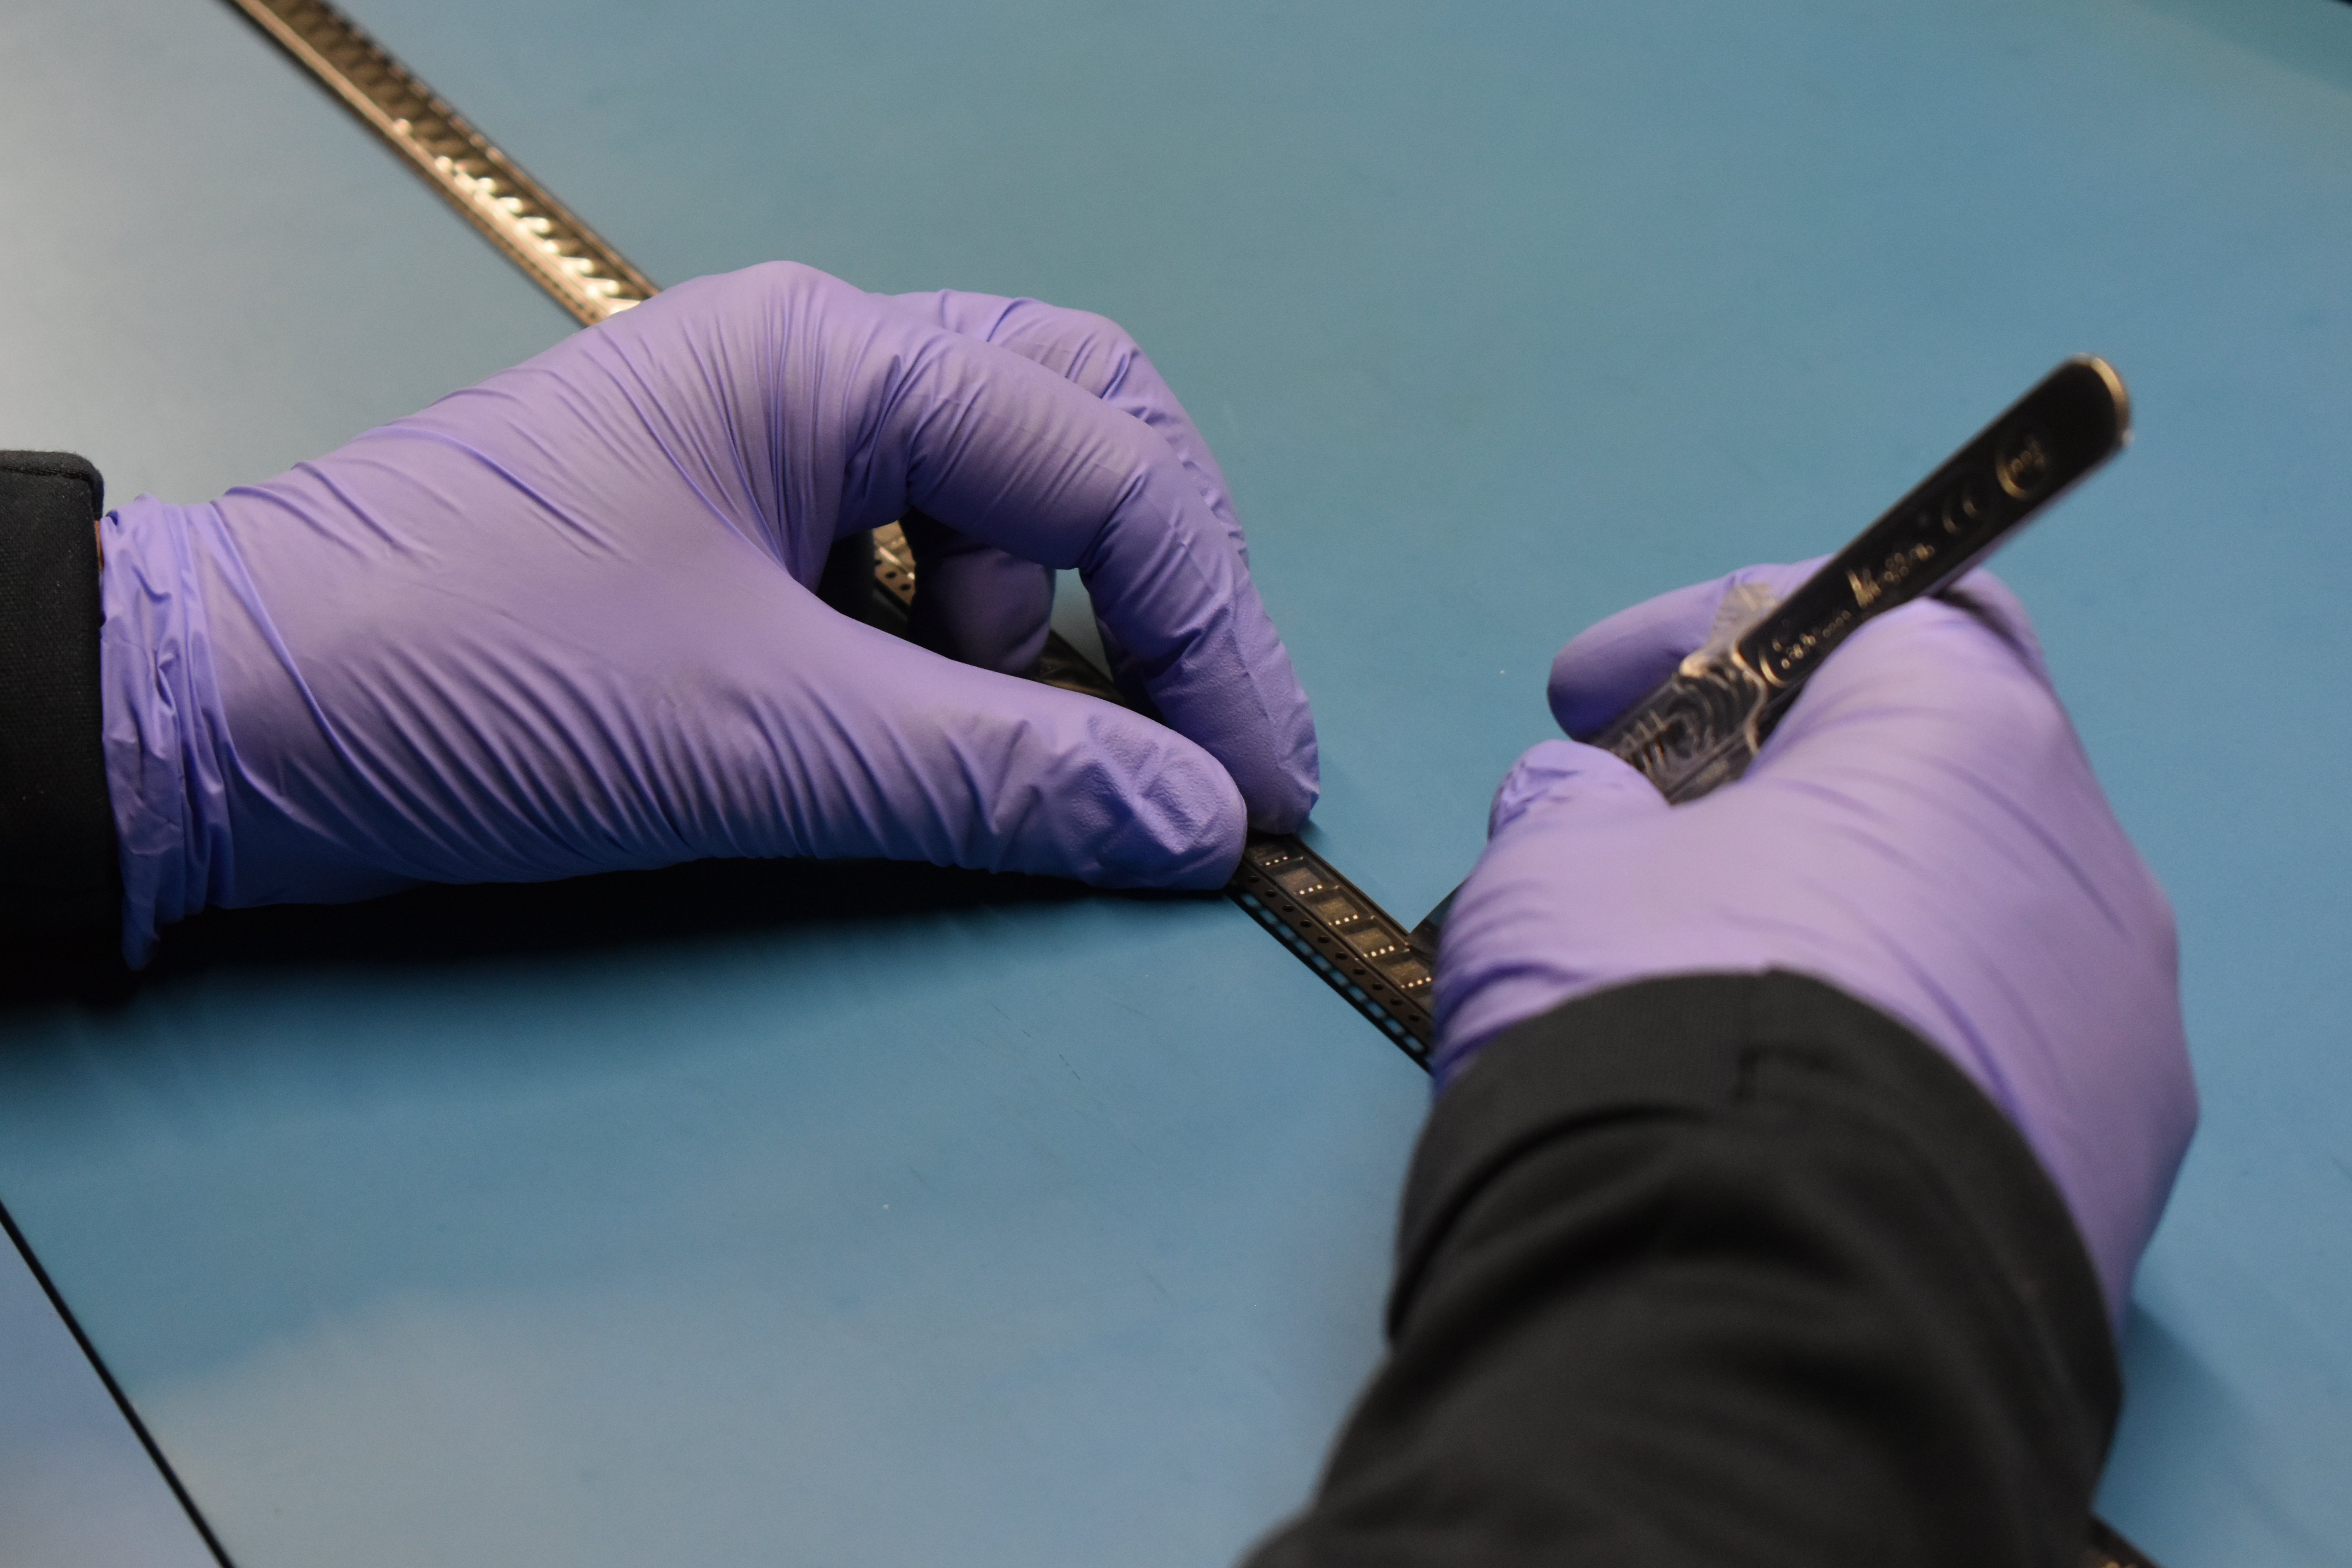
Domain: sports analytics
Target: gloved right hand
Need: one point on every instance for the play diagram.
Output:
(562, 622)
(1923, 831)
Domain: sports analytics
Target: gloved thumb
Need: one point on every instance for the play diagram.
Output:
(1567, 775)
(1502, 956)
(1614, 663)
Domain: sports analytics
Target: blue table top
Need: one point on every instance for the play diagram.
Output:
(527, 1225)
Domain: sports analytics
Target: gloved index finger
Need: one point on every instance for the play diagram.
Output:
(1092, 352)
(1005, 451)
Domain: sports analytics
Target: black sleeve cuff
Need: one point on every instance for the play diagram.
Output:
(57, 831)
(1724, 1269)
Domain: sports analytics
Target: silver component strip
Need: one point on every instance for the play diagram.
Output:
(539, 234)
(894, 563)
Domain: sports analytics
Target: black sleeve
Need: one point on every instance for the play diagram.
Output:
(1723, 1269)
(57, 832)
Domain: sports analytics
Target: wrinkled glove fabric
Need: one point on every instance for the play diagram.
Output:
(562, 622)
(1923, 831)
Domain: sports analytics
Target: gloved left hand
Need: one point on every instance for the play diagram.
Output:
(562, 622)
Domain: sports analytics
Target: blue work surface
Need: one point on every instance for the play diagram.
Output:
(77, 1489)
(549, 1225)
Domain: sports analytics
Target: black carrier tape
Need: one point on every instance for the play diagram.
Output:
(1336, 931)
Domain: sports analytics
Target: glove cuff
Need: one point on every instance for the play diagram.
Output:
(56, 830)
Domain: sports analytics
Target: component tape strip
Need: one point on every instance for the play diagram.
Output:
(1338, 932)
(562, 255)
(1360, 949)
(1335, 929)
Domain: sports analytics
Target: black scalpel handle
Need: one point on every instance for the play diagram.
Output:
(1702, 727)
(2076, 419)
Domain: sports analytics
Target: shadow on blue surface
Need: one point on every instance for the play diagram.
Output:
(774, 1208)
(441, 925)
(431, 927)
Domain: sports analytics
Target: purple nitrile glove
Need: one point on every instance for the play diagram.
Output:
(999, 613)
(562, 622)
(1922, 831)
